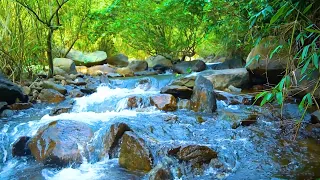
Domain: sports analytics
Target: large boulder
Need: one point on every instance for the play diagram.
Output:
(222, 79)
(185, 67)
(119, 60)
(125, 72)
(231, 62)
(137, 66)
(99, 70)
(50, 96)
(184, 81)
(10, 92)
(111, 142)
(134, 154)
(65, 64)
(164, 102)
(305, 85)
(87, 59)
(203, 98)
(268, 68)
(160, 61)
(61, 142)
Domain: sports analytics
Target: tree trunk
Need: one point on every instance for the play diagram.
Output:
(49, 52)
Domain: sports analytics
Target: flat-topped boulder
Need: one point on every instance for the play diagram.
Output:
(87, 59)
(222, 79)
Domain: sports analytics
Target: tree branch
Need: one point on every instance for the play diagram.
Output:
(32, 11)
(57, 10)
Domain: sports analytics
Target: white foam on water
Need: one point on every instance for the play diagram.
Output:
(104, 92)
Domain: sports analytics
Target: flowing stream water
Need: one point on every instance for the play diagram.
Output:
(247, 152)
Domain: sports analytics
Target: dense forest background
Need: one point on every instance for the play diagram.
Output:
(32, 32)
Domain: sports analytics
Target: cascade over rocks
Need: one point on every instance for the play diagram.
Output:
(185, 67)
(119, 60)
(10, 92)
(58, 142)
(203, 98)
(134, 154)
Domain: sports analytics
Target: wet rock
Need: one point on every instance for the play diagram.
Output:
(160, 69)
(185, 81)
(177, 91)
(100, 70)
(50, 96)
(134, 154)
(6, 113)
(222, 79)
(134, 102)
(65, 64)
(164, 102)
(119, 60)
(58, 142)
(60, 109)
(56, 71)
(315, 117)
(137, 66)
(20, 106)
(200, 119)
(159, 60)
(114, 75)
(185, 67)
(20, 147)
(87, 59)
(196, 154)
(52, 85)
(111, 142)
(91, 87)
(10, 92)
(59, 78)
(203, 98)
(160, 173)
(234, 99)
(76, 93)
(125, 72)
(273, 68)
(171, 118)
(77, 82)
(250, 120)
(184, 104)
(229, 63)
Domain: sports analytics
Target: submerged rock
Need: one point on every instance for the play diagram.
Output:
(196, 154)
(177, 91)
(111, 142)
(134, 154)
(164, 102)
(20, 147)
(203, 98)
(50, 96)
(61, 142)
